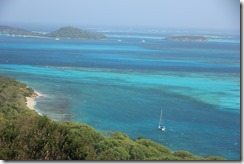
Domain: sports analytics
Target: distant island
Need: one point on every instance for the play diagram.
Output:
(8, 30)
(74, 33)
(64, 33)
(185, 38)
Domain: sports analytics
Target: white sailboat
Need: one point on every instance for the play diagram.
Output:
(160, 125)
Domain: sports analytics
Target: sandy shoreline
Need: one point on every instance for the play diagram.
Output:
(31, 101)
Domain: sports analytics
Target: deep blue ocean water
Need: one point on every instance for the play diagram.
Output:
(116, 85)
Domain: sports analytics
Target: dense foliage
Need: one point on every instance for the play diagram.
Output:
(26, 135)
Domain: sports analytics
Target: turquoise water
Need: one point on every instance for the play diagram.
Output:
(122, 86)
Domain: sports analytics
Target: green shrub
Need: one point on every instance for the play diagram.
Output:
(185, 155)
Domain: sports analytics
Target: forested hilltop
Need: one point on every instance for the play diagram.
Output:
(64, 33)
(25, 135)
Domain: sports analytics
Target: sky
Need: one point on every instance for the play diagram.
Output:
(175, 14)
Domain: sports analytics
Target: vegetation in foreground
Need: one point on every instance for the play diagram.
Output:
(25, 135)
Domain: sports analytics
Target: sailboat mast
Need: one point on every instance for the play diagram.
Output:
(160, 120)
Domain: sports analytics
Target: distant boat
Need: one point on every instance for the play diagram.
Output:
(56, 38)
(119, 40)
(143, 41)
(161, 126)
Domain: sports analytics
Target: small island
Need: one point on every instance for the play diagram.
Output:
(185, 38)
(74, 33)
(8, 30)
(64, 33)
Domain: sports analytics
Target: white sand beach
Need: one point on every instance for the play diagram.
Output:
(31, 101)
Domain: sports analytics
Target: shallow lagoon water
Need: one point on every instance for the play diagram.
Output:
(122, 86)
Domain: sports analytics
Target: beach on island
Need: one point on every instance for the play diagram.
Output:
(31, 101)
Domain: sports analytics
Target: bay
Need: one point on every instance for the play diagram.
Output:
(123, 85)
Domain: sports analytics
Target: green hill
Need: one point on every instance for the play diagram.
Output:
(74, 33)
(25, 135)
